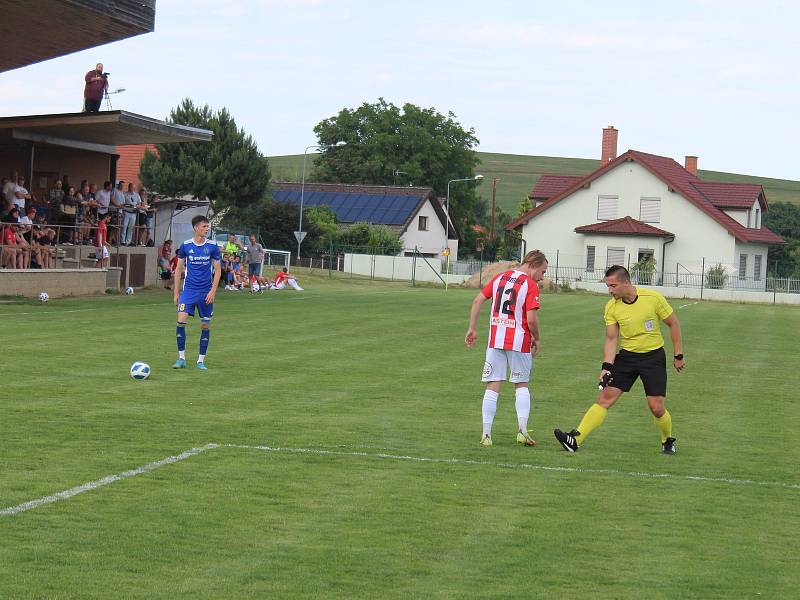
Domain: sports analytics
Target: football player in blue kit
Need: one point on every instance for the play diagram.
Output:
(201, 260)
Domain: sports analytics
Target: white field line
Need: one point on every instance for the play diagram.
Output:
(98, 483)
(686, 305)
(464, 461)
(109, 479)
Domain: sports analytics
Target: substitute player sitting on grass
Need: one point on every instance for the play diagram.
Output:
(284, 278)
(513, 334)
(201, 259)
(636, 315)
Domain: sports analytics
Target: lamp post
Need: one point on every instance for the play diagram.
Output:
(300, 234)
(447, 224)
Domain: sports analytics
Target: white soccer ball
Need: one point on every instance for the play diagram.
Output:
(44, 297)
(140, 370)
(129, 291)
(255, 287)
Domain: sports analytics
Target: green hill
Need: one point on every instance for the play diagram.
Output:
(518, 174)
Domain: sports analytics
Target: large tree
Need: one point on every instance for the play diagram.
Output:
(390, 145)
(784, 219)
(229, 170)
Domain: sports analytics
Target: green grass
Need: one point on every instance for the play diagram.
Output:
(519, 173)
(364, 368)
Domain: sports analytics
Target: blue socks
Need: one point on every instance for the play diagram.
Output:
(205, 336)
(180, 335)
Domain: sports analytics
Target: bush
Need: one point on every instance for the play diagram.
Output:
(716, 277)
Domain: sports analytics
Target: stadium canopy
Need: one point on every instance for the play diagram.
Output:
(97, 132)
(45, 29)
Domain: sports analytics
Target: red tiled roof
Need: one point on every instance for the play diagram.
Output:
(623, 226)
(731, 195)
(677, 179)
(550, 185)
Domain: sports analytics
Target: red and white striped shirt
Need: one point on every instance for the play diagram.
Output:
(513, 294)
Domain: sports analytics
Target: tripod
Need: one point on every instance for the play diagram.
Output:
(107, 95)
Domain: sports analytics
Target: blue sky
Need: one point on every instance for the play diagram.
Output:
(718, 79)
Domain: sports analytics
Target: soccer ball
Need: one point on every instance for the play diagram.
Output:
(129, 291)
(44, 297)
(255, 287)
(140, 370)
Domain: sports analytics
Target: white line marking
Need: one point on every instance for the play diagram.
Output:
(464, 461)
(690, 304)
(93, 485)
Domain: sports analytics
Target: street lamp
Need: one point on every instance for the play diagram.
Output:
(447, 221)
(300, 234)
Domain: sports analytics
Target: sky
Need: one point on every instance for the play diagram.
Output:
(712, 78)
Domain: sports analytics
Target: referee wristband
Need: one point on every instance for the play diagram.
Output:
(607, 366)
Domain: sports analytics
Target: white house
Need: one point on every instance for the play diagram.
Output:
(639, 206)
(414, 212)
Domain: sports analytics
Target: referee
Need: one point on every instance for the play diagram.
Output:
(636, 315)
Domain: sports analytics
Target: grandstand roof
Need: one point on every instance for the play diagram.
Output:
(394, 206)
(37, 31)
(101, 131)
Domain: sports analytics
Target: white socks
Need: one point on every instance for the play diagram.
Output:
(523, 404)
(489, 409)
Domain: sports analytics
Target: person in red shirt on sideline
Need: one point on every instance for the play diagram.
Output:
(96, 85)
(513, 339)
(101, 239)
(284, 278)
(14, 254)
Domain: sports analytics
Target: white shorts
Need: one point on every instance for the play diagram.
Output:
(498, 363)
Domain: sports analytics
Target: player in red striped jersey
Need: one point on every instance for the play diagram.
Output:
(513, 339)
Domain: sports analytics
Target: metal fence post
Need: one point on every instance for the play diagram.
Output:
(414, 269)
(557, 253)
(703, 278)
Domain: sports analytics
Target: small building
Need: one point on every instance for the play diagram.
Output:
(642, 207)
(415, 213)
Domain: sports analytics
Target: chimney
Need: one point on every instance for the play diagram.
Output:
(691, 165)
(609, 151)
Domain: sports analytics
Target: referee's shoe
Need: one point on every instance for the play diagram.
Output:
(567, 440)
(668, 446)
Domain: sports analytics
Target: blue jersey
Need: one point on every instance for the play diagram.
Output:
(199, 266)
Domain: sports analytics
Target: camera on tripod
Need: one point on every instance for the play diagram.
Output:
(104, 74)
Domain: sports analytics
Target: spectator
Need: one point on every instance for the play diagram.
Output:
(166, 271)
(26, 224)
(44, 248)
(68, 214)
(226, 265)
(101, 239)
(146, 212)
(115, 208)
(130, 209)
(16, 253)
(239, 278)
(232, 246)
(96, 85)
(8, 188)
(12, 216)
(255, 256)
(83, 218)
(282, 278)
(21, 194)
(55, 194)
(103, 199)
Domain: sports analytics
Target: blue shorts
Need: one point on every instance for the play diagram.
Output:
(254, 269)
(189, 299)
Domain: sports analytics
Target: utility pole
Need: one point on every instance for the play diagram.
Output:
(494, 204)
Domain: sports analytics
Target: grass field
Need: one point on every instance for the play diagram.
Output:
(368, 481)
(519, 173)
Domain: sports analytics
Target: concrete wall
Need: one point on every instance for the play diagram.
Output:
(398, 268)
(56, 282)
(743, 296)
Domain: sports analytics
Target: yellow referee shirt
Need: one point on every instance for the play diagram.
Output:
(640, 321)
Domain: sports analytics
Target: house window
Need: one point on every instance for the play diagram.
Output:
(650, 210)
(607, 207)
(615, 256)
(757, 267)
(590, 259)
(757, 220)
(749, 214)
(742, 266)
(423, 223)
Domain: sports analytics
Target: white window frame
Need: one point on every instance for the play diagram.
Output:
(757, 219)
(757, 260)
(420, 222)
(591, 258)
(609, 263)
(607, 207)
(650, 202)
(742, 266)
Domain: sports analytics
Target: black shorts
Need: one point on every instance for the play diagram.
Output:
(650, 366)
